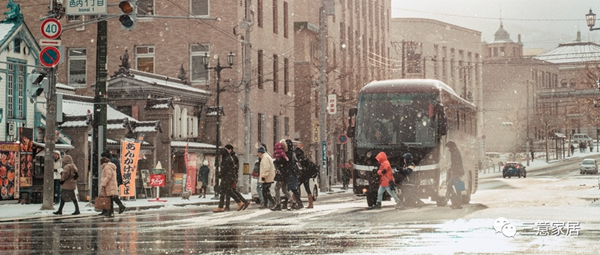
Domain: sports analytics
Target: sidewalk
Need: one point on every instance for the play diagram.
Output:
(16, 212)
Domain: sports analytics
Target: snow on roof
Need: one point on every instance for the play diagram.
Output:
(164, 81)
(160, 106)
(572, 53)
(192, 145)
(5, 31)
(73, 108)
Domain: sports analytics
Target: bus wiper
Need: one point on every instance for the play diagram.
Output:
(413, 144)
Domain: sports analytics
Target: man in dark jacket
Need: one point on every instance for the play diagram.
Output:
(236, 167)
(227, 181)
(115, 161)
(456, 172)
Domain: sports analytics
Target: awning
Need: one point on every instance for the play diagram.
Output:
(58, 147)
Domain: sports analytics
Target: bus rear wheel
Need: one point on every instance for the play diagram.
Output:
(441, 201)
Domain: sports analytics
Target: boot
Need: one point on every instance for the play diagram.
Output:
(104, 212)
(76, 208)
(246, 204)
(226, 209)
(285, 204)
(240, 205)
(120, 204)
(60, 207)
(218, 210)
(111, 212)
(310, 201)
(377, 205)
(299, 203)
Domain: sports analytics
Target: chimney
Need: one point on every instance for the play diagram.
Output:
(578, 36)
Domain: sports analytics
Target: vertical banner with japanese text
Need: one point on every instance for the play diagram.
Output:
(129, 160)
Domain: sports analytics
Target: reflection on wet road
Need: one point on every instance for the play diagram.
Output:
(327, 229)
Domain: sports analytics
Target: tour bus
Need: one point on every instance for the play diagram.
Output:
(418, 116)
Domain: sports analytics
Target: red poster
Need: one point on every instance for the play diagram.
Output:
(190, 163)
(129, 161)
(157, 180)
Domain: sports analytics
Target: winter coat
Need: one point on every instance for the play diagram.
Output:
(57, 168)
(267, 169)
(384, 166)
(68, 173)
(236, 164)
(109, 180)
(292, 183)
(227, 172)
(204, 170)
(281, 163)
(117, 164)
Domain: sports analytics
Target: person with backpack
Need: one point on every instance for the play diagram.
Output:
(308, 170)
(293, 184)
(409, 193)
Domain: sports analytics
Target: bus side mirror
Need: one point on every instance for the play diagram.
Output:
(442, 120)
(351, 122)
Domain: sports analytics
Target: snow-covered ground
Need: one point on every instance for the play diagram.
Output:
(10, 212)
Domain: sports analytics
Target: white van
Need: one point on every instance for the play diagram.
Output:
(577, 138)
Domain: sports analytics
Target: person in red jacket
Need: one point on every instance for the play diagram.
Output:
(386, 180)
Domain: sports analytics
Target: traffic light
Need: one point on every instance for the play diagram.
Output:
(36, 83)
(128, 14)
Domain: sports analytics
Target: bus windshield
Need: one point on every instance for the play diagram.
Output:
(392, 119)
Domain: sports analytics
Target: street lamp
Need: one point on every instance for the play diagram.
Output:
(590, 18)
(218, 68)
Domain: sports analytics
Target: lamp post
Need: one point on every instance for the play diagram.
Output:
(590, 19)
(218, 68)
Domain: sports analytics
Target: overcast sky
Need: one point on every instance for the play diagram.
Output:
(541, 23)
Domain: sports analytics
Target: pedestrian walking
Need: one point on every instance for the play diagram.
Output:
(293, 184)
(109, 186)
(386, 180)
(235, 171)
(409, 192)
(267, 173)
(119, 179)
(282, 176)
(68, 184)
(227, 175)
(203, 177)
(308, 170)
(456, 172)
(57, 173)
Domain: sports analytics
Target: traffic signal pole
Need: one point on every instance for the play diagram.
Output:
(100, 99)
(48, 198)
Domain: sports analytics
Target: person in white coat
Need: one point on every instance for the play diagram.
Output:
(57, 172)
(267, 173)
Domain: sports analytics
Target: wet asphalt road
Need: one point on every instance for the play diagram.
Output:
(339, 225)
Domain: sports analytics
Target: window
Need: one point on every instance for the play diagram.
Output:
(275, 128)
(285, 20)
(259, 13)
(17, 48)
(200, 7)
(77, 66)
(275, 75)
(146, 7)
(144, 58)
(286, 126)
(15, 91)
(275, 17)
(76, 19)
(260, 70)
(260, 128)
(198, 71)
(286, 76)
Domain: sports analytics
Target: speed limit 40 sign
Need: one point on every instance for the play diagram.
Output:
(51, 28)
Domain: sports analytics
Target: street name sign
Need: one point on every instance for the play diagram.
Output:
(86, 7)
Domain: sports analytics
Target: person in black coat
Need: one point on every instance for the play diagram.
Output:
(227, 175)
(456, 172)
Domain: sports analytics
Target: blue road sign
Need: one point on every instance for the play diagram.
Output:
(49, 56)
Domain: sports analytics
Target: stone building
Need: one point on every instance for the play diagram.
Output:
(511, 87)
(357, 52)
(575, 96)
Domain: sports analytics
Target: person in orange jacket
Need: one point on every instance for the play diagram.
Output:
(386, 180)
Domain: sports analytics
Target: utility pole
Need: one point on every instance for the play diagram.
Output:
(48, 197)
(527, 140)
(100, 99)
(323, 100)
(246, 81)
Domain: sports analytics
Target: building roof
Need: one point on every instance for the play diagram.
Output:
(502, 35)
(6, 29)
(575, 52)
(162, 81)
(80, 108)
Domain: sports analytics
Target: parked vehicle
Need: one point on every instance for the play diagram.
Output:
(514, 169)
(494, 158)
(588, 165)
(577, 138)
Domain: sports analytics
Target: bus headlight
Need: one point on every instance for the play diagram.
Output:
(369, 154)
(362, 182)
